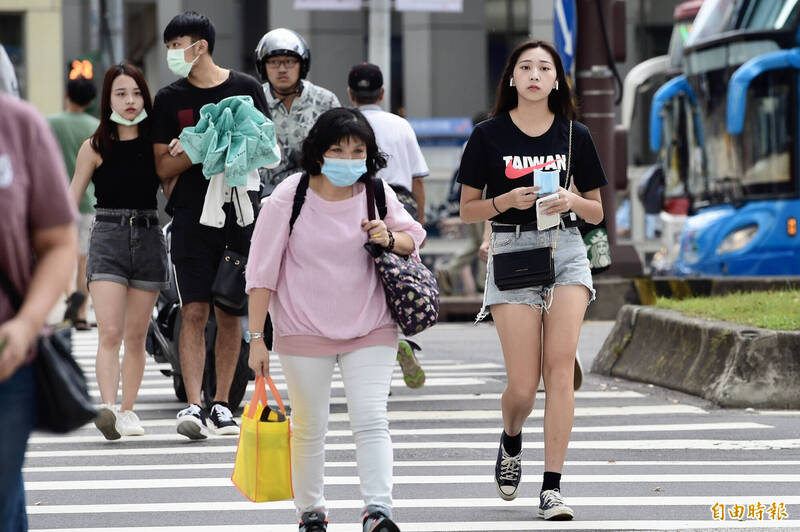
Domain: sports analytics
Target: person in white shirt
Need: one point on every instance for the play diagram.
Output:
(404, 173)
(406, 166)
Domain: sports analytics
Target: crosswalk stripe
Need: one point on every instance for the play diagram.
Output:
(158, 483)
(718, 445)
(95, 437)
(467, 502)
(413, 397)
(55, 464)
(479, 526)
(426, 463)
(429, 383)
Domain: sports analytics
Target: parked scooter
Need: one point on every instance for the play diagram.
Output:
(162, 343)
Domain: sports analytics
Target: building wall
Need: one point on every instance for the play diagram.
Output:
(444, 71)
(44, 64)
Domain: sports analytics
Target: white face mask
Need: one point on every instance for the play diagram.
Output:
(177, 64)
(119, 119)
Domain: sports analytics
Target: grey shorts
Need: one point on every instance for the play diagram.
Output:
(571, 266)
(85, 222)
(133, 255)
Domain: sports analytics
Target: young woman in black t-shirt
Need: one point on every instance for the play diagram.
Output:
(531, 127)
(127, 261)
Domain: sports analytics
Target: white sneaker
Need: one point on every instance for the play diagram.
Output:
(128, 423)
(106, 422)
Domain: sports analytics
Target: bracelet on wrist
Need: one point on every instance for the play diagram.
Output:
(495, 207)
(390, 246)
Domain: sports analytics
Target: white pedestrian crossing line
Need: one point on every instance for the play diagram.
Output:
(413, 396)
(461, 431)
(336, 385)
(780, 464)
(353, 480)
(466, 502)
(52, 457)
(623, 445)
(479, 526)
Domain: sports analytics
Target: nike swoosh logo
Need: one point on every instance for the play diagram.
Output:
(516, 173)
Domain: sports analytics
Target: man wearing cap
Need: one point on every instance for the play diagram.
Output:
(406, 167)
(404, 172)
(283, 60)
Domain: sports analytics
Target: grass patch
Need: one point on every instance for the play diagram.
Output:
(779, 310)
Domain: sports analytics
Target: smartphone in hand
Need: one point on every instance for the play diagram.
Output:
(546, 221)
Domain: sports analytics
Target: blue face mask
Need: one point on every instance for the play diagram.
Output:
(343, 172)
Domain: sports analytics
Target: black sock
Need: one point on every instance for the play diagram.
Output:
(551, 481)
(512, 444)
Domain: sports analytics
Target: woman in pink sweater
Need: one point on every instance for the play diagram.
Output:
(328, 307)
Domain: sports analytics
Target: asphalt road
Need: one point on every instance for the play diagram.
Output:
(641, 458)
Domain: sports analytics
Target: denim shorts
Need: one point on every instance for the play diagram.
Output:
(571, 267)
(133, 255)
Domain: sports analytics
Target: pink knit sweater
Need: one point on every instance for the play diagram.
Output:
(326, 295)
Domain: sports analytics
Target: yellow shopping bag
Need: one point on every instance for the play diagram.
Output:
(263, 469)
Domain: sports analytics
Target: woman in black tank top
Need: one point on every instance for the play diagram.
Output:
(127, 263)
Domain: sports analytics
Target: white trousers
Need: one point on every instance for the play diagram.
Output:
(367, 376)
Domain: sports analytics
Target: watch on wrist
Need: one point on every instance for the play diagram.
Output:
(252, 336)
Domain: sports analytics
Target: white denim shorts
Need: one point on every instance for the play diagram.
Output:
(570, 260)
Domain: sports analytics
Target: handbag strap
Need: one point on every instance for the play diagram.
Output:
(569, 158)
(11, 291)
(376, 194)
(260, 396)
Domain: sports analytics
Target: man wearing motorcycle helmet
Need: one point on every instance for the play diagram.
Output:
(283, 60)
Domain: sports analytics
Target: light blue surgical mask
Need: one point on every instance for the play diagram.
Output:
(177, 64)
(343, 172)
(119, 119)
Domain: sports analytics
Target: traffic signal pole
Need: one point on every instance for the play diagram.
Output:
(594, 82)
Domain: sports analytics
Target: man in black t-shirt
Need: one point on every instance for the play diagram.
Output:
(196, 249)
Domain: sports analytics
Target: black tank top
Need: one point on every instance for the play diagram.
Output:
(127, 177)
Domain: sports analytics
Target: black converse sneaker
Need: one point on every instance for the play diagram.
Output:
(220, 420)
(507, 473)
(313, 522)
(552, 507)
(192, 423)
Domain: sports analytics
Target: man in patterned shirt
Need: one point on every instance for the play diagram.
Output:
(283, 60)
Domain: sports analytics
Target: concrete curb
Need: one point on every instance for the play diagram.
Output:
(729, 364)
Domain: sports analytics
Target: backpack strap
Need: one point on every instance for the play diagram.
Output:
(299, 199)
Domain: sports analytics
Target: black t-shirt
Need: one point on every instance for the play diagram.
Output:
(177, 106)
(127, 177)
(498, 153)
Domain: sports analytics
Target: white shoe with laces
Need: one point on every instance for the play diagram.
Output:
(128, 423)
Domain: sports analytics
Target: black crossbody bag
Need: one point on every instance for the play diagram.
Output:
(530, 267)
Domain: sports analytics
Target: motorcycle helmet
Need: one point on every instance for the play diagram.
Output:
(282, 41)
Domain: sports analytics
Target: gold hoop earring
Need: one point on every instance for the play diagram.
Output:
(511, 82)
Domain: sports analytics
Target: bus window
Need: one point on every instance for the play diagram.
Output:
(765, 142)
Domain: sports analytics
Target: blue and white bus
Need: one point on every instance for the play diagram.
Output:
(741, 73)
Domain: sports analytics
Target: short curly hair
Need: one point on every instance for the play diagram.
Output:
(332, 127)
